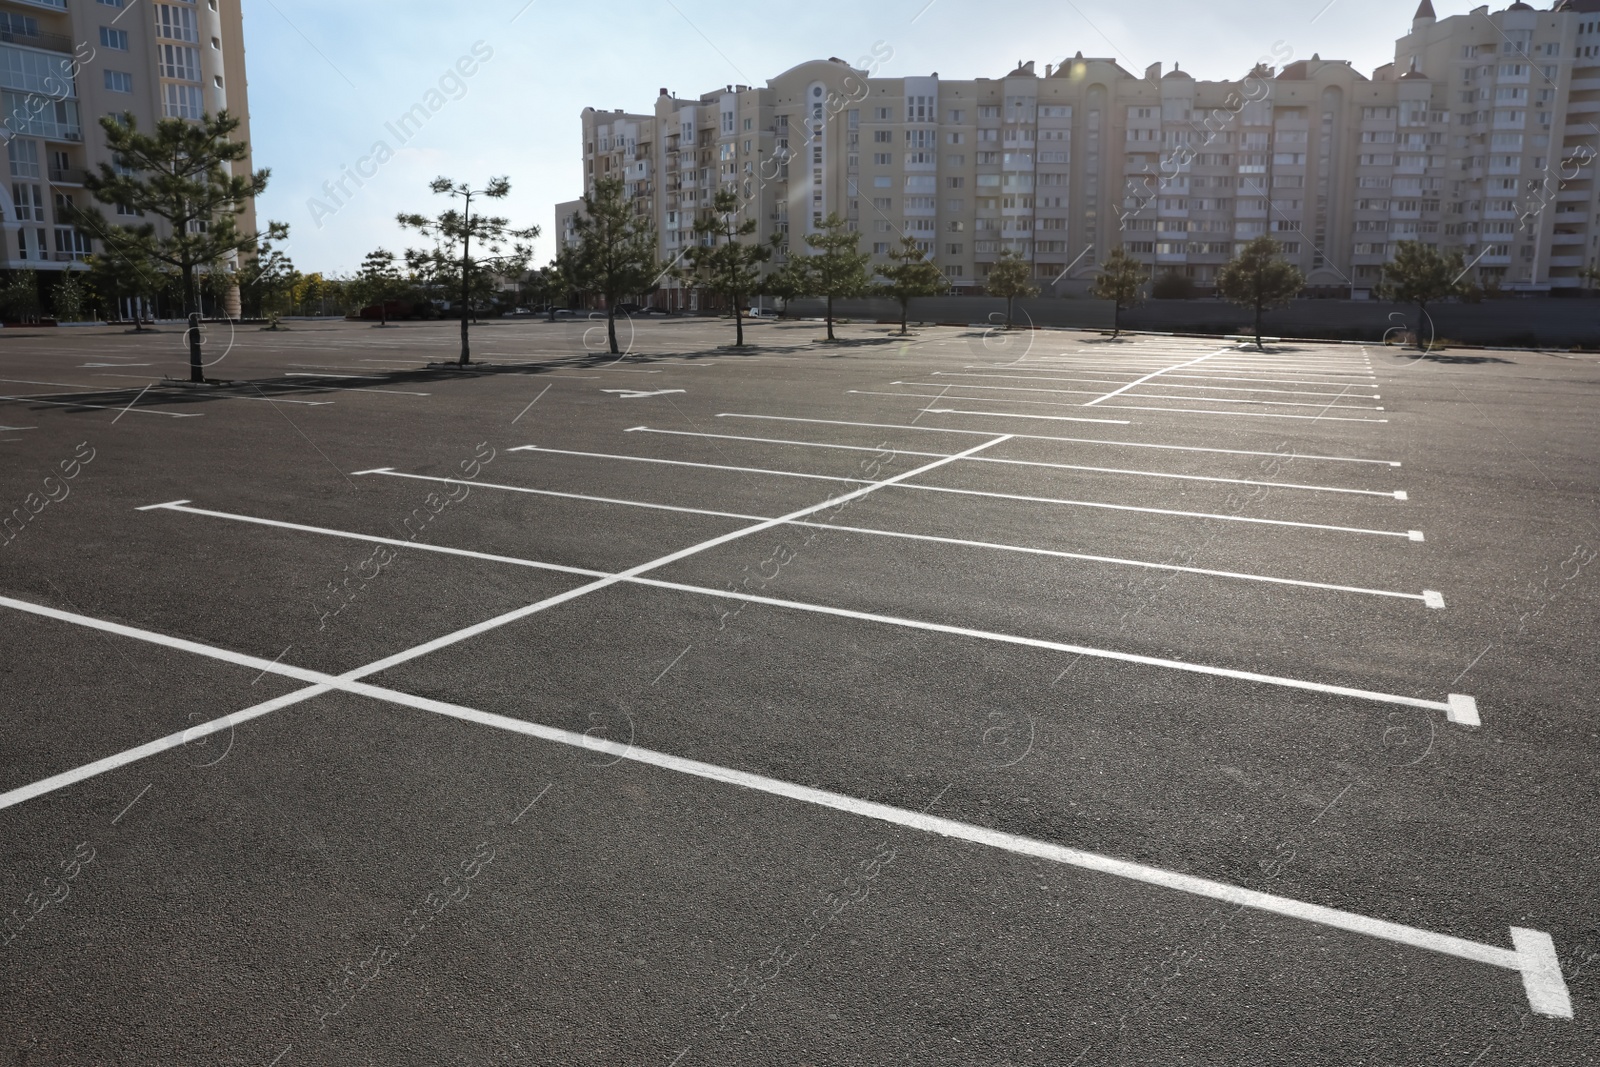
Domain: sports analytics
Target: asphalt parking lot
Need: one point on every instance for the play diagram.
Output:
(970, 698)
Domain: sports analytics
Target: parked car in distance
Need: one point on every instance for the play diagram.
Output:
(563, 313)
(761, 313)
(520, 313)
(629, 308)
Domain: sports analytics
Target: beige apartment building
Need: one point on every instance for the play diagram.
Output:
(1480, 136)
(66, 63)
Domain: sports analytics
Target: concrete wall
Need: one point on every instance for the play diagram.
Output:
(1518, 323)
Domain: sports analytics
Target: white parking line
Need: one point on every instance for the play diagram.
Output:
(1391, 494)
(1533, 955)
(1068, 440)
(1227, 378)
(1142, 396)
(104, 407)
(1162, 385)
(1428, 597)
(1156, 374)
(943, 396)
(1246, 414)
(1414, 535)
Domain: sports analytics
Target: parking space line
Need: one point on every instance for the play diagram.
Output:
(1389, 493)
(943, 396)
(1156, 374)
(1144, 396)
(1412, 534)
(686, 463)
(374, 539)
(1218, 378)
(1428, 597)
(1532, 956)
(1162, 385)
(1245, 414)
(104, 407)
(1068, 440)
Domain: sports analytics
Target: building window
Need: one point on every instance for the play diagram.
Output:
(119, 81)
(117, 40)
(179, 62)
(175, 23)
(181, 101)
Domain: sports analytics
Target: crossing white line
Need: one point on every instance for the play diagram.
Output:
(944, 396)
(1099, 381)
(1064, 418)
(1156, 374)
(1069, 440)
(1414, 535)
(1228, 378)
(1389, 493)
(1533, 956)
(1430, 598)
(1247, 414)
(686, 463)
(104, 407)
(1142, 396)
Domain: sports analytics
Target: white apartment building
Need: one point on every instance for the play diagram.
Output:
(1480, 136)
(66, 63)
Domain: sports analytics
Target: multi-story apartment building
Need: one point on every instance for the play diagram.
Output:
(66, 63)
(1481, 136)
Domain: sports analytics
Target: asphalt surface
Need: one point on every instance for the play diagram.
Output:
(499, 805)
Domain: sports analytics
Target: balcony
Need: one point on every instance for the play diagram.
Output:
(48, 5)
(67, 176)
(50, 42)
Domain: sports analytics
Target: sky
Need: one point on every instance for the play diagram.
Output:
(510, 78)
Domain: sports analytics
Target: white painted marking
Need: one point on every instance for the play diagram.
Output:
(1034, 463)
(991, 400)
(1542, 979)
(1533, 957)
(1155, 511)
(392, 473)
(1432, 599)
(1200, 377)
(1156, 374)
(1415, 535)
(832, 527)
(309, 374)
(685, 463)
(1069, 440)
(1248, 414)
(1019, 415)
(375, 540)
(104, 407)
(8, 429)
(636, 394)
(1462, 710)
(1163, 385)
(86, 366)
(339, 388)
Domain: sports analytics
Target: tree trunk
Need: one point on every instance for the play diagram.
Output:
(466, 286)
(611, 326)
(905, 317)
(830, 319)
(197, 371)
(1422, 316)
(738, 323)
(1010, 300)
(1116, 320)
(1259, 345)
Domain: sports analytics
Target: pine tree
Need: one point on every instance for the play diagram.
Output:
(836, 268)
(912, 275)
(615, 253)
(1011, 277)
(181, 175)
(1258, 279)
(1119, 280)
(730, 267)
(1420, 274)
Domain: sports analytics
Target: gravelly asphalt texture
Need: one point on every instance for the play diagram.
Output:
(412, 877)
